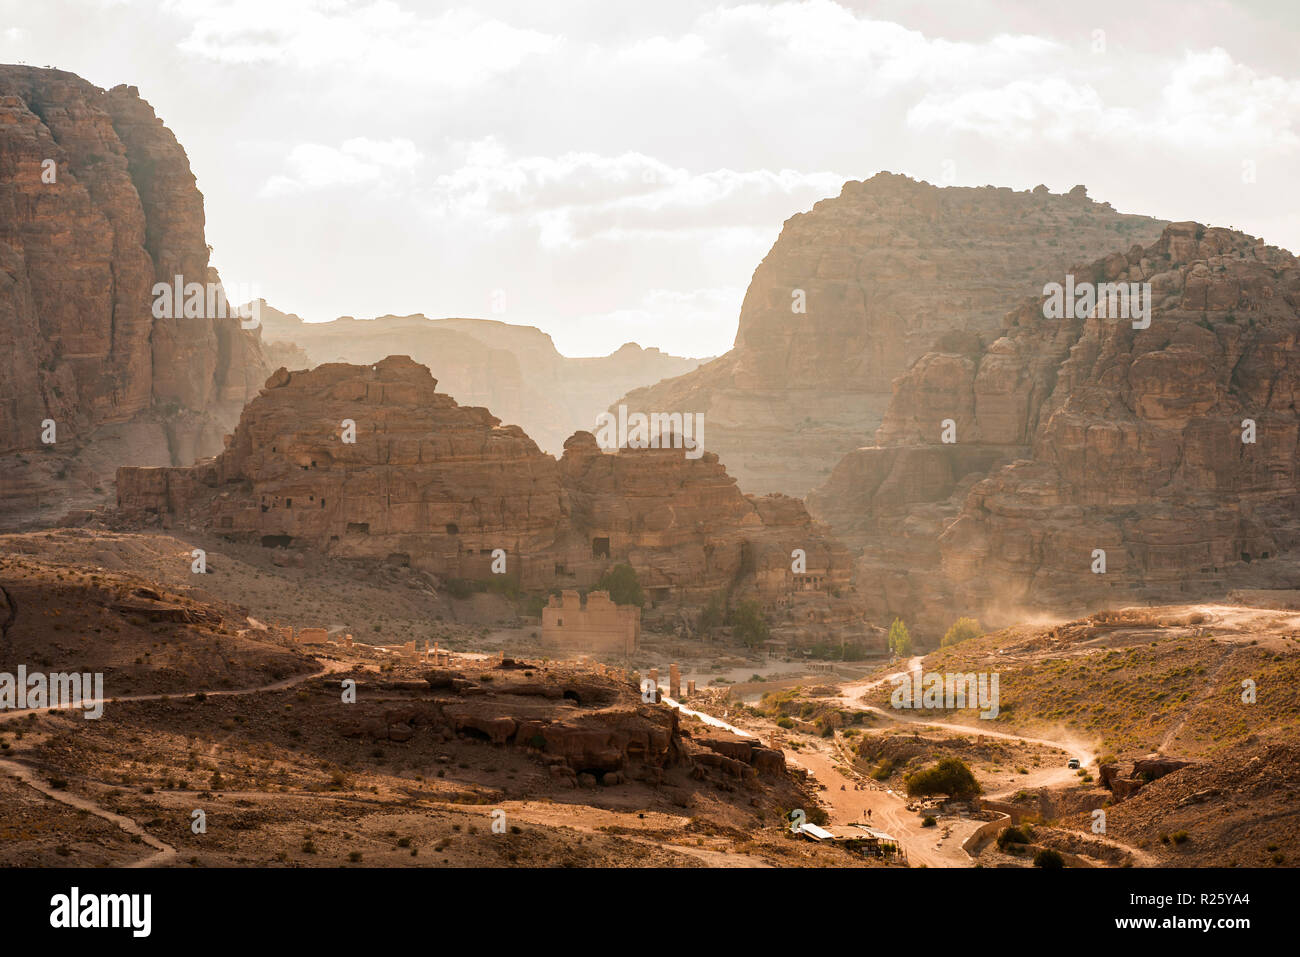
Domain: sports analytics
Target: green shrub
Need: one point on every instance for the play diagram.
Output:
(713, 614)
(1011, 835)
(962, 629)
(623, 586)
(748, 624)
(1048, 858)
(950, 776)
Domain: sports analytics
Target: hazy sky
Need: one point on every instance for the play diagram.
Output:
(613, 170)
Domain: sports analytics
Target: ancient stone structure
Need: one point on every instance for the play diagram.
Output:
(857, 289)
(373, 462)
(1171, 449)
(83, 239)
(597, 626)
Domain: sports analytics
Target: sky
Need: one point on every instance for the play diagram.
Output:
(613, 171)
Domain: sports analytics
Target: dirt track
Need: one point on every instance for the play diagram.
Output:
(163, 853)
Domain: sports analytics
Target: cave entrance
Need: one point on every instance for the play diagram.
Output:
(277, 541)
(600, 548)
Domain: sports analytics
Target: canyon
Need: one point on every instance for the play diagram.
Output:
(907, 427)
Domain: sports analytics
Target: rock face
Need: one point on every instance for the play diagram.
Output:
(442, 487)
(589, 728)
(881, 272)
(97, 204)
(1077, 436)
(514, 370)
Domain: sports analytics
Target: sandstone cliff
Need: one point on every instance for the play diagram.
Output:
(882, 272)
(1080, 434)
(440, 487)
(97, 203)
(514, 370)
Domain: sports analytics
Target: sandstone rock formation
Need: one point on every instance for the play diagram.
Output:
(449, 490)
(1081, 434)
(97, 203)
(515, 371)
(589, 726)
(883, 271)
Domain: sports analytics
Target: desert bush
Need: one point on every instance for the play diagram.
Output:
(962, 629)
(623, 586)
(950, 776)
(1011, 835)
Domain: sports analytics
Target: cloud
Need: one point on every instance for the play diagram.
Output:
(358, 161)
(1207, 101)
(457, 49)
(581, 197)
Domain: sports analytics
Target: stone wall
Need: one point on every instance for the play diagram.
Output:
(597, 626)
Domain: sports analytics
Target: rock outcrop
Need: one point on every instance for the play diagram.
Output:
(857, 289)
(372, 462)
(515, 371)
(97, 204)
(1171, 449)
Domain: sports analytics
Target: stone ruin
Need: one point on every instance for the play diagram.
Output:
(597, 626)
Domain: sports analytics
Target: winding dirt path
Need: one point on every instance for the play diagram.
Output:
(163, 853)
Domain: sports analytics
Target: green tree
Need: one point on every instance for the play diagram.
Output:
(961, 629)
(713, 614)
(900, 640)
(623, 586)
(747, 623)
(950, 776)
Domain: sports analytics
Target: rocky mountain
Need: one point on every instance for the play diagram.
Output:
(97, 204)
(514, 370)
(372, 462)
(1094, 460)
(857, 289)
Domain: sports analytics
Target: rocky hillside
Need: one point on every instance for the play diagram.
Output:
(439, 487)
(514, 370)
(97, 204)
(881, 272)
(1172, 448)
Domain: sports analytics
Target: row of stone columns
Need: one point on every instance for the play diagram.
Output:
(674, 682)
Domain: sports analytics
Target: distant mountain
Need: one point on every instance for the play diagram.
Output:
(515, 371)
(857, 289)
